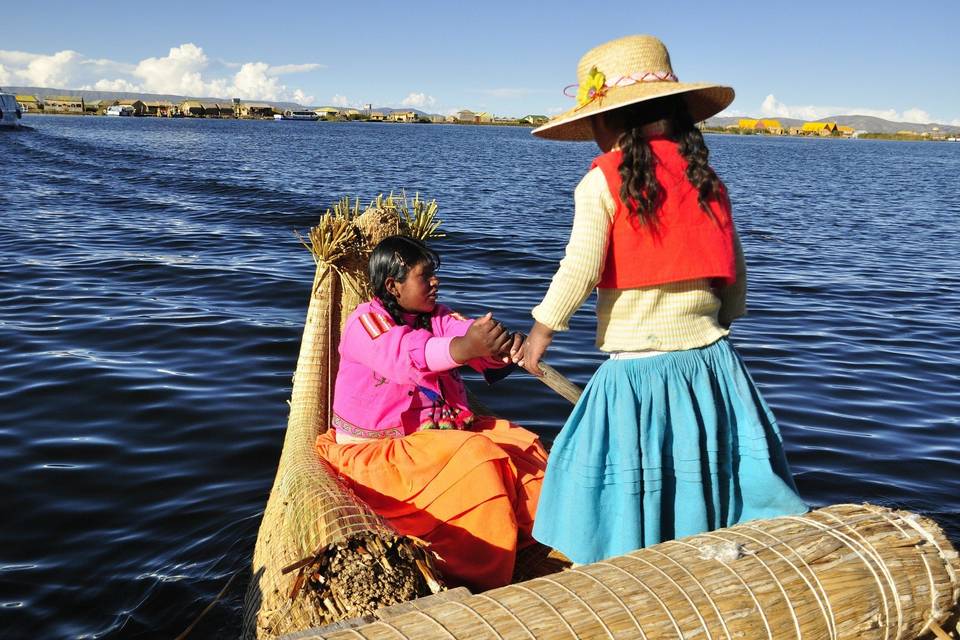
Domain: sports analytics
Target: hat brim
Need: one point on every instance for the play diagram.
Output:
(703, 100)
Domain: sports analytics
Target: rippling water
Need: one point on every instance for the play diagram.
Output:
(154, 293)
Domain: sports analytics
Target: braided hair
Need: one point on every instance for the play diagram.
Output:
(394, 257)
(640, 191)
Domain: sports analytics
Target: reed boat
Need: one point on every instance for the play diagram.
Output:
(326, 566)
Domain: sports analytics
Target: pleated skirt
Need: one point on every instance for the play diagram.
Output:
(471, 494)
(660, 448)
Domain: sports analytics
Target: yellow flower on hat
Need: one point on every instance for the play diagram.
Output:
(591, 85)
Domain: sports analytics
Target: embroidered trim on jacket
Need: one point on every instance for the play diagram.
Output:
(374, 434)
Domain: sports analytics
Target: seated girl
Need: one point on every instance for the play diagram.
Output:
(403, 436)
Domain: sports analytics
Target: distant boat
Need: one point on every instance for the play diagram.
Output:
(10, 112)
(120, 110)
(297, 115)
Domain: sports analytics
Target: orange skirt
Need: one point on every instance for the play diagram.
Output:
(471, 494)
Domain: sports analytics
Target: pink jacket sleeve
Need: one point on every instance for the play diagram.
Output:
(449, 323)
(397, 354)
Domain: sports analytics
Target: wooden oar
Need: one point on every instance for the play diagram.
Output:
(553, 379)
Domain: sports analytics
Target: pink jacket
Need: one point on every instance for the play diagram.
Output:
(386, 387)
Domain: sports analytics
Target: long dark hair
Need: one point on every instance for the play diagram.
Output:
(640, 191)
(394, 257)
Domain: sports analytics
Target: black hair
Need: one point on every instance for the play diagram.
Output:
(640, 191)
(394, 257)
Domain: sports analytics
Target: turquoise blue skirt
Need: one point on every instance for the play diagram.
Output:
(660, 448)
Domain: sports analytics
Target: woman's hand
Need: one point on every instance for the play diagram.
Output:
(534, 347)
(486, 338)
(513, 349)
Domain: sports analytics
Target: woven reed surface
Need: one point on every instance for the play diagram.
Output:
(309, 509)
(844, 572)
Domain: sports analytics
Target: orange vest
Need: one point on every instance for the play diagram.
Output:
(681, 242)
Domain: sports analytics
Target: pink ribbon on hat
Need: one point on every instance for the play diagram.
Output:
(624, 81)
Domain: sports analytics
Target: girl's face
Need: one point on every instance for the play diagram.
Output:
(418, 291)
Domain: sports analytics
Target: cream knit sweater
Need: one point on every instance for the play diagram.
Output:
(667, 317)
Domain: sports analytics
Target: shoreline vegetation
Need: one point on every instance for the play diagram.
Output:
(498, 123)
(238, 110)
(823, 129)
(908, 136)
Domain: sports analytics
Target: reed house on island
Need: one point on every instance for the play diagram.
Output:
(63, 104)
(160, 109)
(818, 129)
(403, 116)
(762, 125)
(255, 110)
(191, 108)
(30, 104)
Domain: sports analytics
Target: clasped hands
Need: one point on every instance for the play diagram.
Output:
(488, 338)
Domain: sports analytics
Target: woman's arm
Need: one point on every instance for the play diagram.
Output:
(580, 269)
(582, 264)
(480, 344)
(485, 338)
(396, 352)
(733, 297)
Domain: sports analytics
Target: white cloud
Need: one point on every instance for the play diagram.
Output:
(552, 111)
(339, 101)
(113, 85)
(418, 100)
(185, 70)
(300, 98)
(39, 69)
(17, 58)
(731, 113)
(104, 65)
(772, 107)
(918, 116)
(955, 122)
(252, 82)
(55, 70)
(179, 72)
(282, 69)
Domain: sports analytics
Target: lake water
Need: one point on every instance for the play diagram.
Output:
(153, 294)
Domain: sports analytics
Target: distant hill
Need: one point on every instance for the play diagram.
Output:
(870, 124)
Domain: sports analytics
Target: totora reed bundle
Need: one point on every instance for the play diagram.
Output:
(846, 572)
(321, 554)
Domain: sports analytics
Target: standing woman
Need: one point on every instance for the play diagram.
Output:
(671, 437)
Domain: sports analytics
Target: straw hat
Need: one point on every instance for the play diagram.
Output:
(627, 71)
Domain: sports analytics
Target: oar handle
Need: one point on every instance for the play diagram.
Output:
(553, 379)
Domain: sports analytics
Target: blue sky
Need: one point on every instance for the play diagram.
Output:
(895, 60)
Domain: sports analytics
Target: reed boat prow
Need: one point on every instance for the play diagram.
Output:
(326, 566)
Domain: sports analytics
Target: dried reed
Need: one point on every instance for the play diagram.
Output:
(846, 572)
